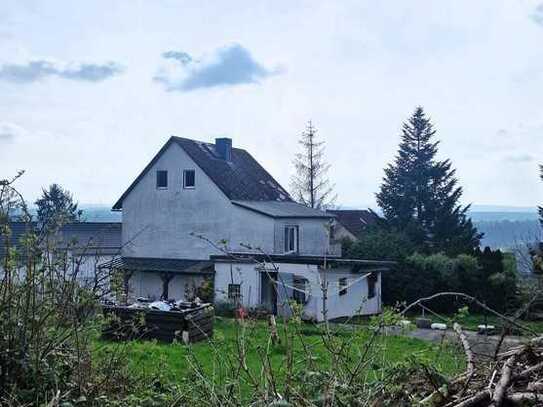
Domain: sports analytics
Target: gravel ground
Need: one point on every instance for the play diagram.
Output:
(482, 345)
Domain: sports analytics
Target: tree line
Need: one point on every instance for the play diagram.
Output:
(423, 225)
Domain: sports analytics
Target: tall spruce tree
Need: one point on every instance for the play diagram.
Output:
(541, 207)
(310, 185)
(420, 195)
(56, 207)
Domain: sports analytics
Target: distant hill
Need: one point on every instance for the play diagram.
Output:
(507, 234)
(100, 213)
(506, 227)
(94, 213)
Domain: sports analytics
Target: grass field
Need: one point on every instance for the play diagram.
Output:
(172, 362)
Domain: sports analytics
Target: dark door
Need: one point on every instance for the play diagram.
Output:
(268, 292)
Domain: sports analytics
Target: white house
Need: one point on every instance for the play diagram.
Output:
(201, 210)
(83, 246)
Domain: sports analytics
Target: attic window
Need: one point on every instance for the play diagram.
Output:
(162, 179)
(189, 179)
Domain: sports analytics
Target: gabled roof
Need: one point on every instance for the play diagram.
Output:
(92, 235)
(289, 209)
(18, 230)
(242, 178)
(87, 237)
(356, 220)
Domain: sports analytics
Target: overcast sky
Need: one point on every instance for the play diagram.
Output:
(91, 90)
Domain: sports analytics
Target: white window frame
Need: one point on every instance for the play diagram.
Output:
(184, 179)
(296, 241)
(156, 180)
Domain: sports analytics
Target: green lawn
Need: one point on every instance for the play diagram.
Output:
(172, 362)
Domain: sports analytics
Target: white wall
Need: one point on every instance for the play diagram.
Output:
(149, 285)
(313, 236)
(86, 267)
(158, 223)
(354, 302)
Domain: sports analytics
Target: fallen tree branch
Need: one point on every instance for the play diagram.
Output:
(467, 349)
(475, 400)
(505, 380)
(519, 399)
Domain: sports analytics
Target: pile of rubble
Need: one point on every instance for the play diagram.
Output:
(161, 305)
(512, 378)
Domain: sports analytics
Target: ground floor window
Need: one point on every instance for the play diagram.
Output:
(299, 287)
(372, 281)
(342, 286)
(234, 292)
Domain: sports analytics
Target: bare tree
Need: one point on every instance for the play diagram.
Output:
(311, 186)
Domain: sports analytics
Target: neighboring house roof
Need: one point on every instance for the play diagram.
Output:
(283, 209)
(356, 220)
(241, 178)
(152, 264)
(92, 236)
(87, 237)
(18, 231)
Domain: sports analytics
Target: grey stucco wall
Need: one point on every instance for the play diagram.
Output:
(158, 223)
(313, 236)
(354, 302)
(149, 285)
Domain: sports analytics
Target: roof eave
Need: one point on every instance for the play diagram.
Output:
(280, 258)
(250, 208)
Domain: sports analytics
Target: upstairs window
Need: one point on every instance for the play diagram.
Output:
(291, 239)
(162, 179)
(342, 286)
(189, 179)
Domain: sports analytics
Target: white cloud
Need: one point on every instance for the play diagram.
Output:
(356, 68)
(227, 66)
(39, 69)
(10, 132)
(520, 158)
(537, 15)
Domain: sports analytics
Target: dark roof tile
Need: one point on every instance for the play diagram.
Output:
(88, 236)
(242, 178)
(283, 209)
(153, 264)
(355, 220)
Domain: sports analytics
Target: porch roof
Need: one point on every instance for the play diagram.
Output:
(154, 264)
(246, 257)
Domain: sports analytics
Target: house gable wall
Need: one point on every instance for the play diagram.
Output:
(159, 222)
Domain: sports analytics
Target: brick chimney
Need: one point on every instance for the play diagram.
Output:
(223, 147)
